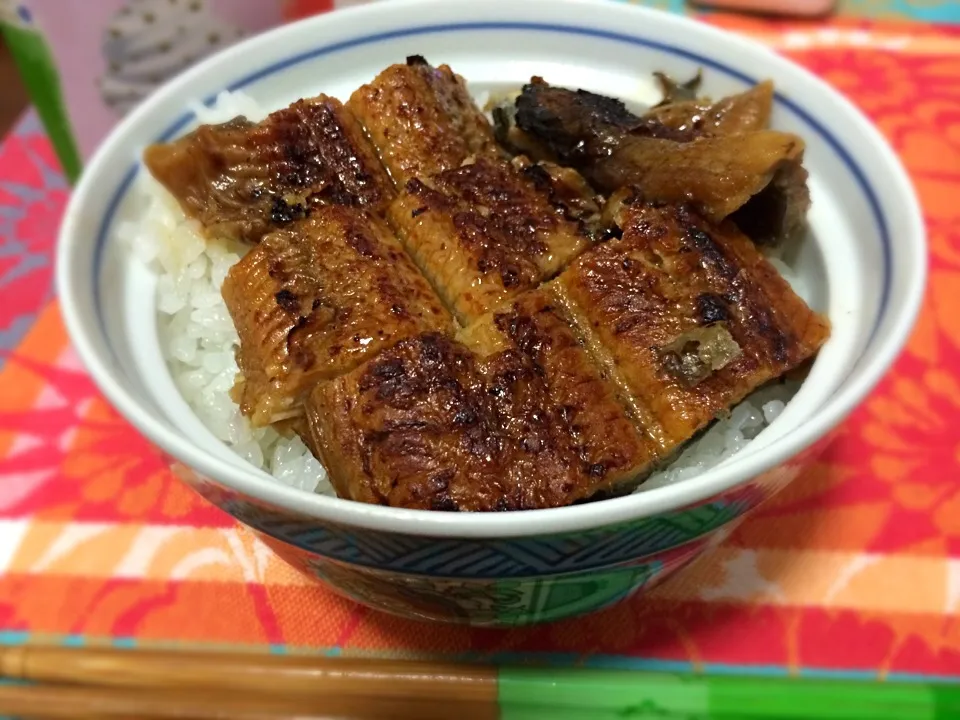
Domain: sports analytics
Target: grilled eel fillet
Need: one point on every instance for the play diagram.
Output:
(480, 228)
(610, 448)
(485, 232)
(316, 299)
(681, 120)
(757, 174)
(422, 120)
(576, 389)
(686, 315)
(241, 180)
(740, 113)
(518, 417)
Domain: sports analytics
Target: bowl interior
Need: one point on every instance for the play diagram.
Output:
(862, 264)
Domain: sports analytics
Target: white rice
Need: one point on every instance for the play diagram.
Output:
(198, 340)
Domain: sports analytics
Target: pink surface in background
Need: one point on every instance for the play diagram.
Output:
(74, 30)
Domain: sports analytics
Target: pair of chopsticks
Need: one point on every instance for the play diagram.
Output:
(89, 683)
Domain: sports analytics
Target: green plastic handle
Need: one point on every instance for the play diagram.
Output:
(623, 694)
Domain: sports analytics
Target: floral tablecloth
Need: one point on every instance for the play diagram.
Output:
(854, 569)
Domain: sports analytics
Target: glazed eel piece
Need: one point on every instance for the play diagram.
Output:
(574, 390)
(422, 120)
(242, 180)
(485, 232)
(511, 416)
(317, 298)
(716, 156)
(743, 112)
(686, 315)
(483, 229)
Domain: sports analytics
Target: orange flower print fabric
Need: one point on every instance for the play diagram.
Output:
(853, 567)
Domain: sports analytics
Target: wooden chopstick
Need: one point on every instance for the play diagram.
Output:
(284, 675)
(110, 703)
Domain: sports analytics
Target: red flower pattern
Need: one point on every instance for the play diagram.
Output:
(886, 488)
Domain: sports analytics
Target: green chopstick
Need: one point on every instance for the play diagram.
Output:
(600, 694)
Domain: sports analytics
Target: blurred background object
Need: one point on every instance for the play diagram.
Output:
(13, 99)
(798, 8)
(87, 64)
